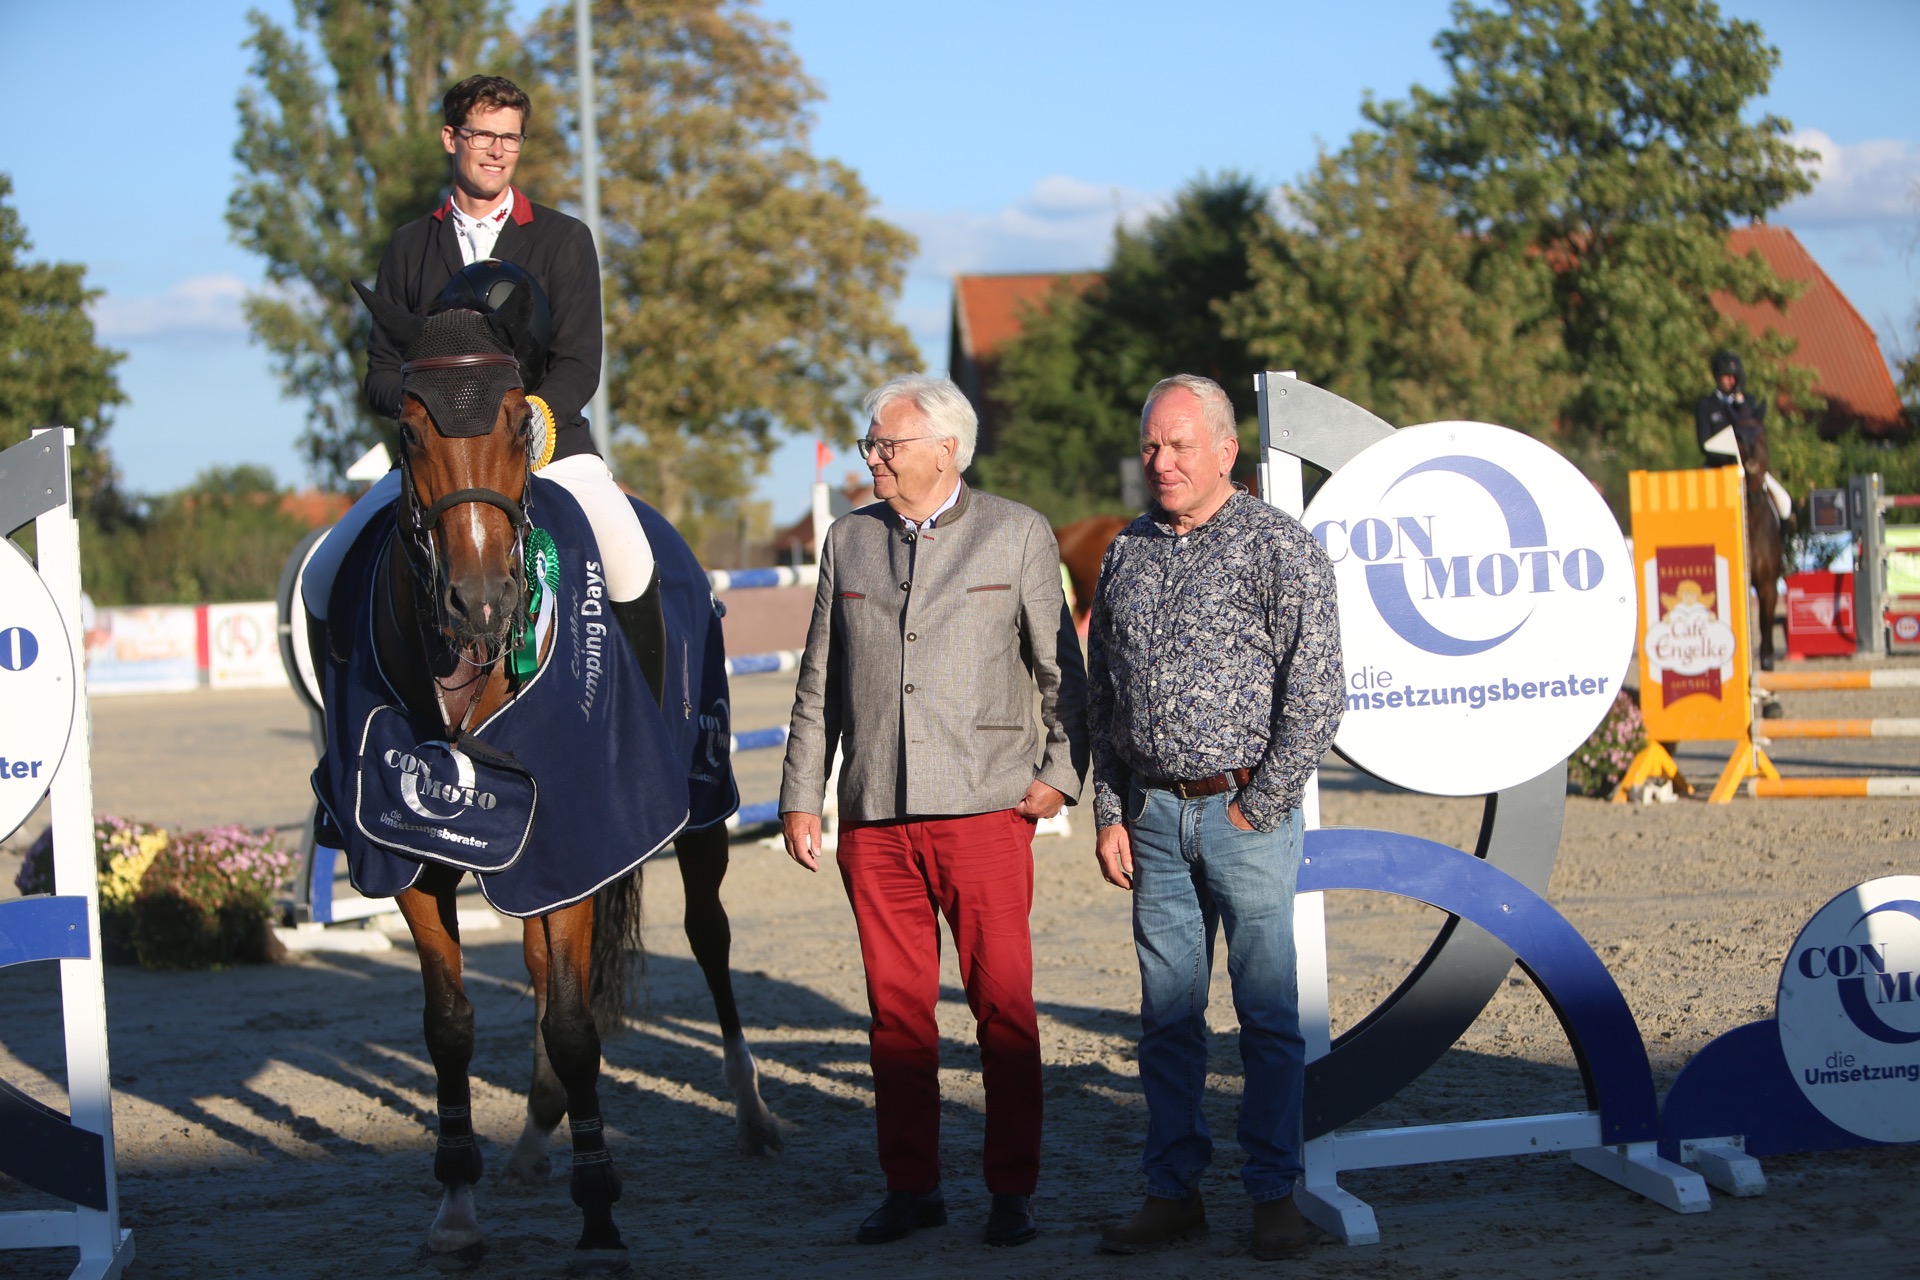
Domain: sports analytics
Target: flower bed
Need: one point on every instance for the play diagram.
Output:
(1597, 765)
(192, 900)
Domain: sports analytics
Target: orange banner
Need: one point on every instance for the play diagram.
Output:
(1690, 565)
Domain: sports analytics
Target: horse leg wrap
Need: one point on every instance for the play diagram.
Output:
(456, 1158)
(595, 1182)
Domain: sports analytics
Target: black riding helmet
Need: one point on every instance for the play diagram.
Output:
(1725, 362)
(515, 307)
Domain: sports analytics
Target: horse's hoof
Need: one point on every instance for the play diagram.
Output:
(1766, 662)
(454, 1261)
(599, 1262)
(1771, 709)
(759, 1135)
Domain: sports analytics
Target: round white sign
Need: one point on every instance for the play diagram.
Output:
(1849, 1010)
(1486, 606)
(38, 688)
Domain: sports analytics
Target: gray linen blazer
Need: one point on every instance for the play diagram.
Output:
(921, 662)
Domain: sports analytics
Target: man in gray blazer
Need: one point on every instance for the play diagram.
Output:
(939, 611)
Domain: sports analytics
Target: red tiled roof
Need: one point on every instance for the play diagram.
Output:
(314, 508)
(987, 309)
(1833, 340)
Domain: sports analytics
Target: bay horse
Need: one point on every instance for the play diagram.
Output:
(439, 592)
(1766, 544)
(1083, 544)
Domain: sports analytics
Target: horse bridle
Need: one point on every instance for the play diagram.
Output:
(417, 526)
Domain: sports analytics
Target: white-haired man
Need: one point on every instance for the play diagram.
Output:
(939, 611)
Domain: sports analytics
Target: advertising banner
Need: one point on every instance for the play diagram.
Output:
(1486, 606)
(1690, 563)
(151, 649)
(37, 689)
(243, 648)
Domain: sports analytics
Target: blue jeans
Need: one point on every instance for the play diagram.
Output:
(1192, 871)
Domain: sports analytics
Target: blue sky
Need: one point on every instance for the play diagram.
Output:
(1007, 136)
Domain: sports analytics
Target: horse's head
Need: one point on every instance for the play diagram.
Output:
(464, 434)
(1754, 463)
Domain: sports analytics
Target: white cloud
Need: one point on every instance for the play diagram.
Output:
(1062, 223)
(196, 307)
(1860, 182)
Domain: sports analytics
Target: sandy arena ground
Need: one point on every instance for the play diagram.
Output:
(275, 1122)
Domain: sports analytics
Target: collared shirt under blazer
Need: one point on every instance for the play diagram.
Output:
(921, 664)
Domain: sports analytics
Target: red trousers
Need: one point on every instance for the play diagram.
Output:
(977, 871)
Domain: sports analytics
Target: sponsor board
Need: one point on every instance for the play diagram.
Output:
(243, 648)
(147, 649)
(38, 688)
(1689, 548)
(1849, 1010)
(1486, 606)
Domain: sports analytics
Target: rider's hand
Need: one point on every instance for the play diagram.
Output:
(1114, 848)
(801, 831)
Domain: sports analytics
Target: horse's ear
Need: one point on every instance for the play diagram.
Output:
(398, 323)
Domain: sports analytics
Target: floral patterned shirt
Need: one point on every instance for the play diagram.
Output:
(1214, 650)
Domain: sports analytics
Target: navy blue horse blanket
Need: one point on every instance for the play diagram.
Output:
(575, 782)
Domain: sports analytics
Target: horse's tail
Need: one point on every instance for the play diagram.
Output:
(619, 954)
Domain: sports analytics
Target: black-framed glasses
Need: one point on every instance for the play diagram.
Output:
(482, 140)
(884, 446)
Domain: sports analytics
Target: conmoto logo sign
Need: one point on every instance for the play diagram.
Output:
(1486, 606)
(38, 687)
(1849, 1010)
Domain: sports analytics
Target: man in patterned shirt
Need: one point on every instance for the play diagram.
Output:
(1214, 687)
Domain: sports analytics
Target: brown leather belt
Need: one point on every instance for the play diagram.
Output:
(1202, 786)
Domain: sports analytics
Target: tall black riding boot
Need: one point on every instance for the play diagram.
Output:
(645, 626)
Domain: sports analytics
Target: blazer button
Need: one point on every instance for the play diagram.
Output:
(912, 636)
(909, 688)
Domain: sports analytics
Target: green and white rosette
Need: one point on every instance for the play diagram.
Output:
(543, 582)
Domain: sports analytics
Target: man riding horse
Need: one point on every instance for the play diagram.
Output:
(1728, 407)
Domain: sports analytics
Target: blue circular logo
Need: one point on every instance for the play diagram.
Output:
(18, 649)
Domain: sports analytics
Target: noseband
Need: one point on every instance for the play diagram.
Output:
(417, 526)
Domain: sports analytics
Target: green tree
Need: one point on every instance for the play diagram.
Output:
(1369, 288)
(749, 285)
(1072, 383)
(339, 145)
(222, 538)
(1609, 139)
(52, 372)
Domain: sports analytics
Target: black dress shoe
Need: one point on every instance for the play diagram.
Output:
(901, 1214)
(1011, 1221)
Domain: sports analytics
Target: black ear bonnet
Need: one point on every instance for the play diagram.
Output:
(463, 399)
(513, 302)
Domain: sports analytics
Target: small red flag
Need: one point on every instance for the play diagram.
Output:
(822, 459)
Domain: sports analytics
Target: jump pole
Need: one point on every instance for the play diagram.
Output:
(1812, 681)
(1822, 788)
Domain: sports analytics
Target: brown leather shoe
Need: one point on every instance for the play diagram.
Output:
(1159, 1223)
(1280, 1231)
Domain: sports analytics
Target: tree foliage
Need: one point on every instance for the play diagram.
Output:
(749, 285)
(52, 372)
(1607, 138)
(339, 145)
(1073, 382)
(223, 538)
(1368, 287)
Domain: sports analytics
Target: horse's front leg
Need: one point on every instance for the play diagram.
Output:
(530, 1162)
(573, 1046)
(431, 916)
(702, 856)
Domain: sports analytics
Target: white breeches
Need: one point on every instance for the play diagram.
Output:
(624, 552)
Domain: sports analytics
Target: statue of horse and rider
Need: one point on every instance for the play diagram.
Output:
(488, 715)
